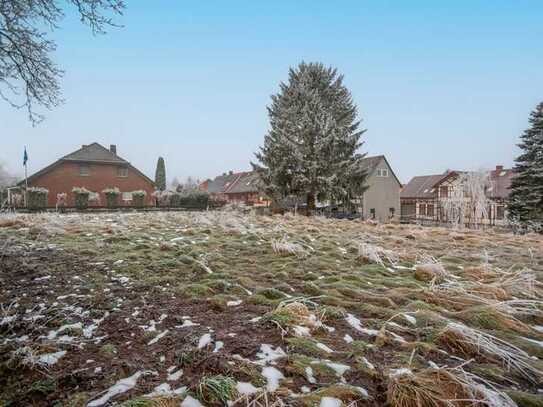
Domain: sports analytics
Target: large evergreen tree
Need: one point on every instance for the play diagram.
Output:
(526, 198)
(160, 175)
(311, 149)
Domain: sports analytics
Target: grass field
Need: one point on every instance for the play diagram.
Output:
(217, 308)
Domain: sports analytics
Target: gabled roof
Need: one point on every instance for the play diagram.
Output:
(90, 153)
(233, 183)
(371, 164)
(422, 186)
(501, 182)
(94, 153)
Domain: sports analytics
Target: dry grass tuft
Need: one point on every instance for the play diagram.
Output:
(285, 248)
(440, 387)
(472, 343)
(369, 253)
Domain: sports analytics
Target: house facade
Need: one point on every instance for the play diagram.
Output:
(236, 187)
(381, 201)
(95, 168)
(425, 198)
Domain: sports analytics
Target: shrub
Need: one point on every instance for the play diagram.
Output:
(81, 197)
(175, 200)
(112, 197)
(162, 197)
(138, 198)
(36, 198)
(195, 199)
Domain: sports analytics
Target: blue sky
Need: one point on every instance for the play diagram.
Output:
(438, 84)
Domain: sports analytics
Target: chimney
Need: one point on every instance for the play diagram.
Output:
(230, 172)
(83, 145)
(499, 168)
(113, 148)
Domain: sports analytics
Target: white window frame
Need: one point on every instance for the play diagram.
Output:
(127, 196)
(122, 172)
(382, 172)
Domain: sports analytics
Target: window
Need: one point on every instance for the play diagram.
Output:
(127, 196)
(500, 212)
(392, 211)
(84, 170)
(430, 210)
(382, 172)
(122, 172)
(444, 192)
(372, 213)
(422, 209)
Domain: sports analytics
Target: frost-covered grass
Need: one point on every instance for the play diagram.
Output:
(214, 307)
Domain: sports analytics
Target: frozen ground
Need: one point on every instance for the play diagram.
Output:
(224, 308)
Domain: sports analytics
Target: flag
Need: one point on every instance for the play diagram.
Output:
(25, 158)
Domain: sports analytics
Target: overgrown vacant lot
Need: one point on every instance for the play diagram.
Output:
(225, 308)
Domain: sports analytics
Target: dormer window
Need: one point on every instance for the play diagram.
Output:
(382, 172)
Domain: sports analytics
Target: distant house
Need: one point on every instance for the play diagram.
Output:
(424, 197)
(236, 187)
(95, 168)
(381, 201)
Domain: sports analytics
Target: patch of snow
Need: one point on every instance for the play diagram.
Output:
(339, 368)
(191, 402)
(323, 347)
(268, 355)
(8, 319)
(305, 389)
(218, 346)
(362, 391)
(233, 303)
(204, 341)
(174, 376)
(51, 358)
(330, 402)
(309, 375)
(273, 376)
(245, 388)
(411, 319)
(255, 319)
(53, 334)
(399, 372)
(357, 325)
(122, 386)
(186, 323)
(301, 330)
(158, 337)
(348, 338)
(538, 328)
(368, 363)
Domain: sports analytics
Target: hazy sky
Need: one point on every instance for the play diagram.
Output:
(438, 84)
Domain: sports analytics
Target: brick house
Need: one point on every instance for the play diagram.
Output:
(423, 198)
(95, 168)
(236, 187)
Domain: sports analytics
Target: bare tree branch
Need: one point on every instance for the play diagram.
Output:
(28, 75)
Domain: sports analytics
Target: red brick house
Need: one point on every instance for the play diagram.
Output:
(236, 187)
(95, 168)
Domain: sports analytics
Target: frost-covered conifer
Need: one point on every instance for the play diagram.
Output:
(311, 149)
(526, 198)
(160, 175)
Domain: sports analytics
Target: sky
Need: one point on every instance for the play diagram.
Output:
(438, 85)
